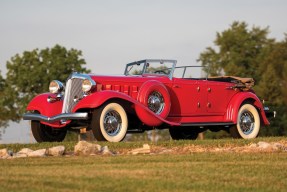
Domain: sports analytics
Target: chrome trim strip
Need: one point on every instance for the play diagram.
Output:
(80, 76)
(63, 116)
(71, 90)
(66, 96)
(170, 76)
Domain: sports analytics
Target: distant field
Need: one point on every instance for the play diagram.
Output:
(182, 171)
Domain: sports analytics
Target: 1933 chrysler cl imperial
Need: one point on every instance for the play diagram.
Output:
(150, 94)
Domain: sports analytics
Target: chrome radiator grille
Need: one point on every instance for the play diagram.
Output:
(73, 92)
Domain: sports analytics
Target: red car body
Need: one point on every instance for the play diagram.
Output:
(153, 97)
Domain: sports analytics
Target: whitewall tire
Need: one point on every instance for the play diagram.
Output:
(110, 123)
(248, 123)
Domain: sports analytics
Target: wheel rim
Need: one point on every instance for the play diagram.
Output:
(112, 123)
(247, 122)
(156, 102)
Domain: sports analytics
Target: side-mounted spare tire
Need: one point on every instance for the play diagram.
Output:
(154, 95)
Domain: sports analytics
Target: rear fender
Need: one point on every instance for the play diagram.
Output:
(238, 100)
(145, 114)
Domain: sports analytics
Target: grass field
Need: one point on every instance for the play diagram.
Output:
(199, 171)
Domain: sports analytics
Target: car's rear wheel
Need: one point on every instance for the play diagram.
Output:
(186, 133)
(248, 123)
(110, 123)
(45, 133)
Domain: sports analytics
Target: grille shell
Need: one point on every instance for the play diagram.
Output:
(73, 91)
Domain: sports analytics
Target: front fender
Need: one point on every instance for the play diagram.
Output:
(145, 114)
(40, 103)
(97, 99)
(236, 102)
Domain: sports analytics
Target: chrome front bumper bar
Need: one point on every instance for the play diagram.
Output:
(63, 116)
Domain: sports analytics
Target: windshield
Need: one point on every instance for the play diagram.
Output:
(135, 69)
(159, 67)
(190, 72)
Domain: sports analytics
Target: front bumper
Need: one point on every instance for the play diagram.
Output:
(63, 116)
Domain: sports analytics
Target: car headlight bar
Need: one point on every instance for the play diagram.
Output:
(88, 85)
(56, 87)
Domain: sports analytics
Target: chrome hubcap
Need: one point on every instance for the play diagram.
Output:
(156, 102)
(246, 122)
(112, 123)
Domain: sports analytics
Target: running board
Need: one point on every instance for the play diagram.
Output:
(206, 124)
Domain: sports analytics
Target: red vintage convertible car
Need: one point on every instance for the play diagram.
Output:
(151, 94)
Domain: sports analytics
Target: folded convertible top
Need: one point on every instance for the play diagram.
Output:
(241, 83)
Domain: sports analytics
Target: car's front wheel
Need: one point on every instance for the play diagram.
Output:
(110, 123)
(179, 133)
(248, 123)
(45, 133)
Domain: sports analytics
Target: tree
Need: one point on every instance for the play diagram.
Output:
(239, 51)
(273, 84)
(3, 109)
(278, 59)
(269, 88)
(30, 73)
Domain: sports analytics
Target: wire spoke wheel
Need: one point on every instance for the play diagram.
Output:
(246, 122)
(112, 123)
(156, 102)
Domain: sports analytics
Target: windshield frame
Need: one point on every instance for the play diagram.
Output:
(162, 61)
(192, 66)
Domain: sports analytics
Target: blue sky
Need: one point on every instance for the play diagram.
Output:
(112, 33)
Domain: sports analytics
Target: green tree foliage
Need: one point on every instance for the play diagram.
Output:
(30, 73)
(278, 60)
(250, 53)
(238, 52)
(3, 110)
(273, 86)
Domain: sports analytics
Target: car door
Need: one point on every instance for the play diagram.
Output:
(218, 97)
(201, 96)
(188, 97)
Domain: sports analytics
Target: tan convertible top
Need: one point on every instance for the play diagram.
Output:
(242, 83)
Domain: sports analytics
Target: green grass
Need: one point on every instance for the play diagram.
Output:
(225, 171)
(130, 145)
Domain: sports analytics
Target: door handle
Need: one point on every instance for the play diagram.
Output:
(229, 88)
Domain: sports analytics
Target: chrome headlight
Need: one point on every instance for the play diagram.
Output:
(88, 85)
(56, 87)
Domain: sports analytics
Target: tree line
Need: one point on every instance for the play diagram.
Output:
(237, 51)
